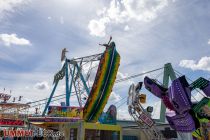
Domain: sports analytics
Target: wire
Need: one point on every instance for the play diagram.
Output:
(40, 101)
(121, 104)
(45, 103)
(158, 75)
(119, 100)
(47, 98)
(137, 75)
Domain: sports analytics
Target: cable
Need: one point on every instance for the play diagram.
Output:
(158, 75)
(39, 101)
(121, 104)
(47, 98)
(45, 103)
(119, 100)
(137, 75)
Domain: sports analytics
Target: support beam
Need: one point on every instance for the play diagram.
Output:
(67, 83)
(73, 83)
(50, 98)
(83, 79)
(77, 93)
(72, 78)
(168, 73)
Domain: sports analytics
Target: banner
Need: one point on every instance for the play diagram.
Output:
(65, 111)
(10, 122)
(146, 119)
(13, 116)
(52, 119)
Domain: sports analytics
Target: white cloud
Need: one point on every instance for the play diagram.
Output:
(101, 12)
(42, 85)
(7, 6)
(122, 114)
(202, 64)
(121, 75)
(124, 11)
(114, 97)
(144, 10)
(9, 39)
(127, 28)
(209, 42)
(49, 17)
(97, 27)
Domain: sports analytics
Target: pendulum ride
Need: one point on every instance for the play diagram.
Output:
(91, 98)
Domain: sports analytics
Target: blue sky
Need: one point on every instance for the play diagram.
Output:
(148, 34)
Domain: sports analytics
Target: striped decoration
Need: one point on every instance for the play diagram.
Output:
(103, 84)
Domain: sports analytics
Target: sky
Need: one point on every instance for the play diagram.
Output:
(148, 34)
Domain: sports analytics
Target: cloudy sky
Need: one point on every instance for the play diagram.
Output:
(148, 34)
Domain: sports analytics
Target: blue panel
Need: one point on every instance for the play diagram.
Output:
(130, 137)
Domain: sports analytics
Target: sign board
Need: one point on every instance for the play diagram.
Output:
(52, 119)
(12, 116)
(142, 98)
(65, 111)
(10, 122)
(146, 119)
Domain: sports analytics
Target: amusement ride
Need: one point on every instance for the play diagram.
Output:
(13, 113)
(190, 119)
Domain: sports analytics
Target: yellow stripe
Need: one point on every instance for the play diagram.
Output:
(98, 126)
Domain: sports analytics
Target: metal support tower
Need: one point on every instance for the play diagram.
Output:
(74, 78)
(168, 74)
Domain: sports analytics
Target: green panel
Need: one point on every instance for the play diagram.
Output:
(199, 83)
(200, 104)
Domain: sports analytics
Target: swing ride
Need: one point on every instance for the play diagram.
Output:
(11, 113)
